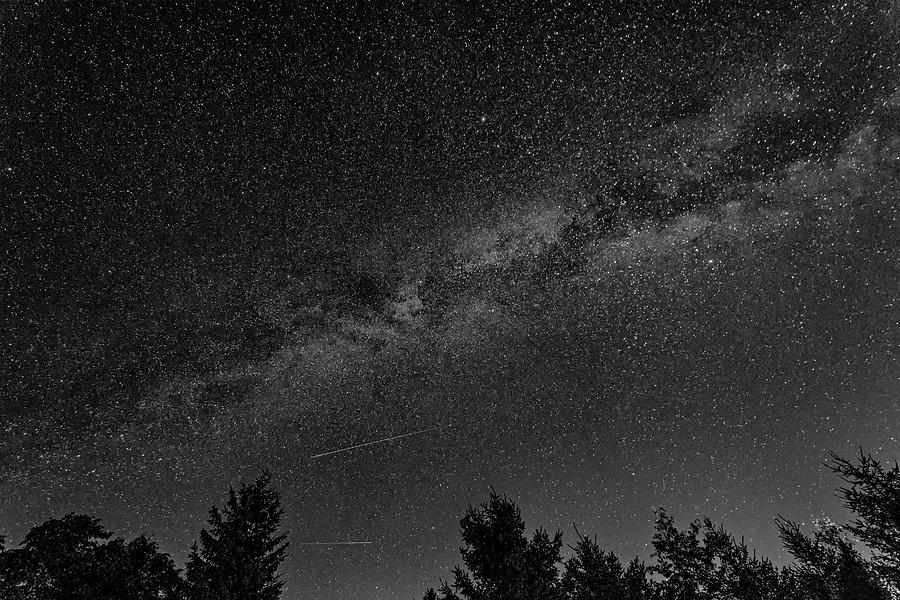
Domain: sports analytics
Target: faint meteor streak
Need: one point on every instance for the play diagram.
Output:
(332, 543)
(387, 439)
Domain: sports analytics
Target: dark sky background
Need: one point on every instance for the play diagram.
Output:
(615, 255)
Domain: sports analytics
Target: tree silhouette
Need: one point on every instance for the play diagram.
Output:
(238, 557)
(827, 566)
(136, 570)
(594, 573)
(706, 562)
(874, 495)
(701, 562)
(502, 563)
(636, 584)
(65, 559)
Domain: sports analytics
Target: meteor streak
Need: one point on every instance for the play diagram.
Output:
(332, 543)
(387, 439)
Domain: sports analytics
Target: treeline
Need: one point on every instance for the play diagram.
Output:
(702, 562)
(238, 555)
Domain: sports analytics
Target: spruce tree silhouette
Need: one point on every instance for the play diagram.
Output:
(827, 565)
(594, 573)
(502, 563)
(65, 559)
(873, 493)
(237, 559)
(637, 586)
(704, 562)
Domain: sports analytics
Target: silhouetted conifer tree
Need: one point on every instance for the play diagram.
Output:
(873, 493)
(827, 566)
(237, 559)
(637, 586)
(705, 562)
(502, 563)
(430, 595)
(593, 574)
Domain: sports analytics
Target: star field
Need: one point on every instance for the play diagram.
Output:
(616, 257)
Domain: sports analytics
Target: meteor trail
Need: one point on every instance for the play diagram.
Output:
(387, 439)
(332, 543)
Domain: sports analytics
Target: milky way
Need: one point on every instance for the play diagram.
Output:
(600, 260)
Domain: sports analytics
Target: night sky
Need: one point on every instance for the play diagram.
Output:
(603, 257)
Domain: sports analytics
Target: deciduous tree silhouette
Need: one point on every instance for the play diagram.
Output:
(136, 570)
(66, 559)
(238, 557)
